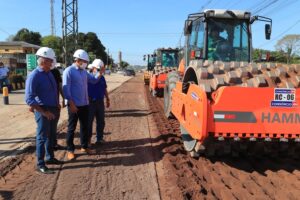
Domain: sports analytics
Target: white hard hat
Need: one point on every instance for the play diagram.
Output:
(90, 66)
(81, 54)
(98, 63)
(46, 52)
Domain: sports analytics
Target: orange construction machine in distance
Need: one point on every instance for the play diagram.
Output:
(166, 61)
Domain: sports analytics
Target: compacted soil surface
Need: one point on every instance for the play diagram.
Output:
(143, 158)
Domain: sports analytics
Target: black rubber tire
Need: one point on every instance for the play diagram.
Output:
(169, 86)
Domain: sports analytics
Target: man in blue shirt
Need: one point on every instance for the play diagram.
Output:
(3, 75)
(75, 82)
(41, 96)
(96, 97)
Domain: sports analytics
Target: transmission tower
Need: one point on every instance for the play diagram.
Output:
(53, 31)
(69, 28)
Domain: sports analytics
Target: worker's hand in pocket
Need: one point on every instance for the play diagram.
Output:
(49, 115)
(73, 108)
(107, 103)
(31, 109)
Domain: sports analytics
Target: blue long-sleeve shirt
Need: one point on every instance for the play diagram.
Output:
(75, 85)
(97, 91)
(41, 89)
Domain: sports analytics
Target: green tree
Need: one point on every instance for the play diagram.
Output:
(290, 46)
(55, 43)
(124, 64)
(279, 56)
(92, 44)
(28, 36)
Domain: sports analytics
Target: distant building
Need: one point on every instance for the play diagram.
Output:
(13, 54)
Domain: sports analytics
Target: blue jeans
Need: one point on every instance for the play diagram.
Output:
(82, 114)
(96, 109)
(4, 82)
(45, 133)
(55, 135)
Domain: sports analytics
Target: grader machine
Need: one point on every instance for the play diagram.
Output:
(225, 103)
(166, 60)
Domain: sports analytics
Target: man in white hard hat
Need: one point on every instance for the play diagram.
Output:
(41, 95)
(97, 92)
(75, 81)
(91, 69)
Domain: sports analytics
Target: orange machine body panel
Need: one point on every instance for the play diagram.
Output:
(239, 112)
(158, 81)
(191, 110)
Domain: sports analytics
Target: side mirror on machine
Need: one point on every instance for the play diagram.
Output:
(268, 31)
(268, 27)
(188, 27)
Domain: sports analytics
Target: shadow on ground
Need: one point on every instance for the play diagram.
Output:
(128, 152)
(6, 195)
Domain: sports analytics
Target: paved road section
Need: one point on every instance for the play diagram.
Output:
(17, 125)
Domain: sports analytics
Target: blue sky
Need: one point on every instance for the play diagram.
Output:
(137, 27)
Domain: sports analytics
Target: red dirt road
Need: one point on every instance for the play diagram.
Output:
(123, 167)
(143, 158)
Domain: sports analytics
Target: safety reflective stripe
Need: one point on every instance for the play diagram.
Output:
(234, 116)
(219, 116)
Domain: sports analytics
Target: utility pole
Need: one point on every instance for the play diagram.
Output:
(53, 31)
(69, 29)
(107, 56)
(112, 62)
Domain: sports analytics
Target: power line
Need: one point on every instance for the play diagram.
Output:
(281, 34)
(233, 3)
(4, 31)
(253, 7)
(151, 35)
(205, 5)
(281, 6)
(136, 33)
(265, 7)
(214, 5)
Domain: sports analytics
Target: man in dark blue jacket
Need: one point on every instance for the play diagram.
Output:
(97, 92)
